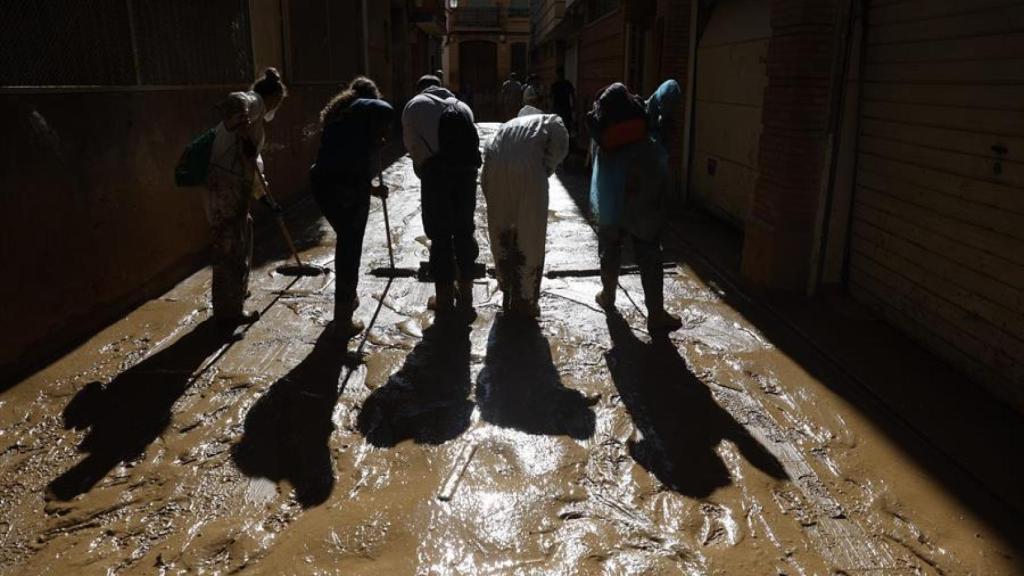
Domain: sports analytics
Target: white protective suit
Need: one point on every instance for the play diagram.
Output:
(517, 164)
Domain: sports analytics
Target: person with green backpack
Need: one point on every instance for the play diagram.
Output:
(234, 178)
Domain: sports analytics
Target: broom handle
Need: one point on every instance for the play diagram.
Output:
(279, 218)
(384, 205)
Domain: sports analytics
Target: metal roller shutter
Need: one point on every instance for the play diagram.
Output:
(731, 78)
(937, 238)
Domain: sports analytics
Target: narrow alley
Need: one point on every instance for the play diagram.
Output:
(576, 445)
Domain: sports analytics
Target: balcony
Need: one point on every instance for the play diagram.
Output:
(476, 18)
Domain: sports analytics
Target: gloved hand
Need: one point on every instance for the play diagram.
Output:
(271, 204)
(380, 191)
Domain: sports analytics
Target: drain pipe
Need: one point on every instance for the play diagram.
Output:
(839, 89)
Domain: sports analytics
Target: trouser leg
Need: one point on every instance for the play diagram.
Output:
(648, 259)
(232, 252)
(533, 226)
(348, 254)
(436, 204)
(463, 214)
(609, 245)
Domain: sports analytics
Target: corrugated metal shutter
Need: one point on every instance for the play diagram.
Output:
(937, 242)
(600, 57)
(731, 78)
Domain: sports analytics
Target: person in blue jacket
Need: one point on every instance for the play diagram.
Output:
(629, 189)
(355, 124)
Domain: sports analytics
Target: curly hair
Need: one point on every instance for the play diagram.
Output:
(359, 87)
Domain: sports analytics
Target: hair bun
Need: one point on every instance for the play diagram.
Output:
(272, 74)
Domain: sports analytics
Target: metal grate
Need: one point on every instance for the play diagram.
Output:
(193, 41)
(90, 42)
(65, 42)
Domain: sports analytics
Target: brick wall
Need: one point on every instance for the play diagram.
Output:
(779, 236)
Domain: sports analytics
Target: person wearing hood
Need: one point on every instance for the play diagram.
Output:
(441, 137)
(518, 161)
(235, 178)
(355, 123)
(629, 190)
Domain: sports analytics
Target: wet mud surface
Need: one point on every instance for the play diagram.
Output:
(575, 445)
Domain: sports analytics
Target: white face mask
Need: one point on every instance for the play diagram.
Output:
(269, 115)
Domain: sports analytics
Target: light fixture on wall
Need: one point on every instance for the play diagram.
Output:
(453, 4)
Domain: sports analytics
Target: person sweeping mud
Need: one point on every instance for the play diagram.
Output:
(441, 137)
(629, 188)
(355, 123)
(235, 178)
(518, 162)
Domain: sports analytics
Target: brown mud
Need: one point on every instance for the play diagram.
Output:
(576, 445)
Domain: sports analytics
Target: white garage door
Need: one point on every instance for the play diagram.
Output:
(731, 78)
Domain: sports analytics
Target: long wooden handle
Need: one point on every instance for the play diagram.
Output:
(288, 239)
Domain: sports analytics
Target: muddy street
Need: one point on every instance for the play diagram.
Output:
(576, 445)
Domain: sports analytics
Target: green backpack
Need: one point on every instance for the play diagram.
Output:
(194, 164)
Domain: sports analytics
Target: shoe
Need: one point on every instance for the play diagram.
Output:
(660, 320)
(464, 298)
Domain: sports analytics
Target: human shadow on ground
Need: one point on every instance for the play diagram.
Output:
(680, 422)
(287, 431)
(427, 399)
(125, 415)
(519, 386)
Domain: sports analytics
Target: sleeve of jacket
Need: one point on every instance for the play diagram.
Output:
(558, 143)
(414, 143)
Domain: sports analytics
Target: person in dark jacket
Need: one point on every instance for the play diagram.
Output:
(355, 123)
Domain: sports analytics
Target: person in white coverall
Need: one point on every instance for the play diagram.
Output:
(517, 164)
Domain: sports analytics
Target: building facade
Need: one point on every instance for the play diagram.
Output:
(486, 40)
(865, 145)
(102, 96)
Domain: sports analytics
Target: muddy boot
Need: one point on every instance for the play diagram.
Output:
(243, 319)
(442, 300)
(464, 298)
(660, 320)
(345, 326)
(606, 297)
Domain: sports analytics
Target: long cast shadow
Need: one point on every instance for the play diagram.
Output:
(287, 431)
(519, 386)
(128, 413)
(427, 399)
(680, 422)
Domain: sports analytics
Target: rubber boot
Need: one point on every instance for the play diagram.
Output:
(228, 324)
(345, 326)
(464, 298)
(442, 300)
(658, 319)
(606, 297)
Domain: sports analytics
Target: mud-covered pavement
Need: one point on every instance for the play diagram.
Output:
(573, 446)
